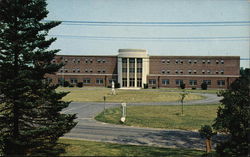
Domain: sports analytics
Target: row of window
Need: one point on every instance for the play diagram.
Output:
(87, 80)
(179, 61)
(86, 71)
(132, 70)
(193, 72)
(191, 82)
(79, 61)
(132, 60)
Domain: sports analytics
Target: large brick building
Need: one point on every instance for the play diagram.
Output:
(132, 68)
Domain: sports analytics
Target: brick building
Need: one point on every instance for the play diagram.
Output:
(132, 68)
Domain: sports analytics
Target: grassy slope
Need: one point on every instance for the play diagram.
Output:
(167, 117)
(89, 148)
(96, 95)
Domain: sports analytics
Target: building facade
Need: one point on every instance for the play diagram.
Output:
(132, 68)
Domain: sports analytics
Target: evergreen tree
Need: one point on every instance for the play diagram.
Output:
(30, 118)
(234, 117)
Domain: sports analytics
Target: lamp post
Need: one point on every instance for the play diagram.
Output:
(104, 103)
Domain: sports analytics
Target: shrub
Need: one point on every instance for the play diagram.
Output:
(182, 86)
(153, 87)
(117, 85)
(71, 85)
(79, 84)
(66, 84)
(193, 88)
(204, 86)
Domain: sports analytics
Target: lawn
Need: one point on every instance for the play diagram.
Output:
(89, 148)
(167, 117)
(96, 95)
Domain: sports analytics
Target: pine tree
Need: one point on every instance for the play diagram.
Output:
(233, 117)
(30, 118)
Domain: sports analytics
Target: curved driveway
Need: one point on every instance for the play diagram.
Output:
(90, 129)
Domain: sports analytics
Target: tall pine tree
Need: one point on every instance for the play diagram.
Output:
(30, 118)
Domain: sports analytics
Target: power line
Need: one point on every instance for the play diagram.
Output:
(168, 24)
(153, 38)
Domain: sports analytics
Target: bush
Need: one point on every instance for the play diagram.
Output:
(182, 86)
(79, 84)
(145, 86)
(66, 84)
(117, 85)
(204, 86)
(71, 85)
(153, 87)
(193, 88)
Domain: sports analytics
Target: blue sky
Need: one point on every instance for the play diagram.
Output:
(163, 27)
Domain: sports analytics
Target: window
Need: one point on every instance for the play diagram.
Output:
(190, 61)
(99, 81)
(163, 71)
(66, 60)
(193, 82)
(152, 81)
(208, 61)
(139, 82)
(195, 61)
(217, 72)
(61, 70)
(176, 61)
(99, 61)
(178, 82)
(168, 61)
(217, 62)
(131, 82)
(91, 60)
(139, 70)
(222, 72)
(86, 70)
(78, 70)
(195, 72)
(203, 71)
(176, 71)
(131, 60)
(132, 70)
(190, 71)
(208, 82)
(181, 61)
(78, 60)
(61, 81)
(181, 71)
(103, 61)
(73, 80)
(222, 61)
(208, 72)
(73, 70)
(220, 82)
(99, 71)
(124, 82)
(168, 71)
(165, 82)
(139, 60)
(104, 71)
(86, 81)
(74, 60)
(203, 61)
(86, 60)
(124, 70)
(124, 60)
(163, 61)
(90, 70)
(53, 61)
(66, 70)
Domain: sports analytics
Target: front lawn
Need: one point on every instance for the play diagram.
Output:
(89, 148)
(167, 117)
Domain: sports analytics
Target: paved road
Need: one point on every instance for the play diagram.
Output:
(89, 129)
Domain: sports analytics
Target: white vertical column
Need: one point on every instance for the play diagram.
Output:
(120, 71)
(135, 72)
(127, 72)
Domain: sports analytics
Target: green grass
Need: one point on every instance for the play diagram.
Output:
(167, 117)
(89, 148)
(96, 95)
(210, 91)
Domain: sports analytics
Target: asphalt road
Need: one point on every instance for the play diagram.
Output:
(90, 129)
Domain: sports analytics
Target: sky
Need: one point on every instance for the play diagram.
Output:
(163, 27)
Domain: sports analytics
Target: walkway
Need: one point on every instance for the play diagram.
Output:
(90, 129)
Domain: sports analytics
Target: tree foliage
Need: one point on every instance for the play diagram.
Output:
(233, 117)
(30, 118)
